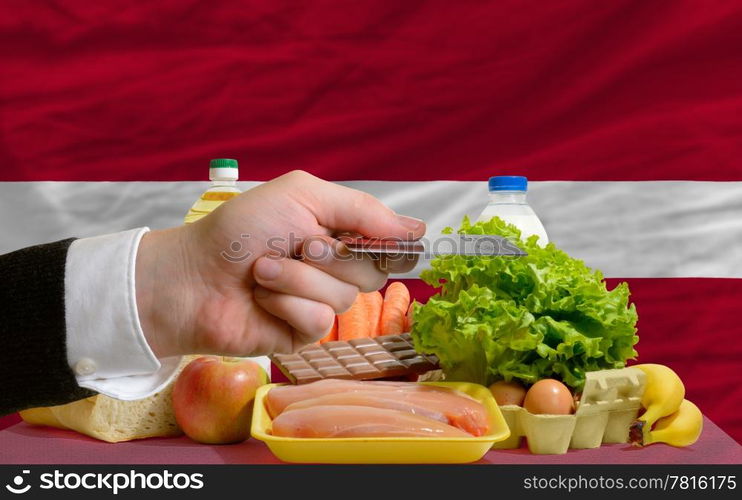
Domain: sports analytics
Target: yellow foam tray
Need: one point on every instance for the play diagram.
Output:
(383, 450)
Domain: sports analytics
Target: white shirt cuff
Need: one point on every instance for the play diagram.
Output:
(106, 347)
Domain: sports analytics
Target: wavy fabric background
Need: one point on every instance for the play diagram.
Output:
(594, 101)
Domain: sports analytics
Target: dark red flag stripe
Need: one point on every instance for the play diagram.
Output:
(372, 90)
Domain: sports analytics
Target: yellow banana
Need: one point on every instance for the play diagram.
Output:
(663, 394)
(682, 428)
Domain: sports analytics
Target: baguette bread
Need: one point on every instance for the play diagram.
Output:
(113, 420)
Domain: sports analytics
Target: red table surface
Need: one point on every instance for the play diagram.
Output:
(25, 444)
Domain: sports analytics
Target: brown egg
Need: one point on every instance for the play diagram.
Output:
(549, 397)
(508, 393)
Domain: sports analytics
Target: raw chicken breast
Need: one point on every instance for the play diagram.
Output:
(333, 421)
(439, 403)
(280, 397)
(372, 399)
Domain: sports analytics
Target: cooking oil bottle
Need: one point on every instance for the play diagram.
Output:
(223, 174)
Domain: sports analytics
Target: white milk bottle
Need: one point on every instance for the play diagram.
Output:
(223, 174)
(508, 202)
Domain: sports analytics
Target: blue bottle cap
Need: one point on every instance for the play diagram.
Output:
(508, 183)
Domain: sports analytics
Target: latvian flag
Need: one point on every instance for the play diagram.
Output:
(625, 116)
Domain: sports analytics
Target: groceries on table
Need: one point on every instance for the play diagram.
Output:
(534, 346)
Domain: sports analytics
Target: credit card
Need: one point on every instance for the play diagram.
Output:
(483, 245)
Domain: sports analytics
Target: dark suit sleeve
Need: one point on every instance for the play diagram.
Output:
(33, 356)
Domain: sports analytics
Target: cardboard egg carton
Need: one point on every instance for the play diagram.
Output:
(610, 402)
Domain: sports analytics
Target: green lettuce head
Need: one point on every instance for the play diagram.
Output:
(545, 315)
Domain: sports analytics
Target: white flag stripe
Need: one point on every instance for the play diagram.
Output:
(626, 229)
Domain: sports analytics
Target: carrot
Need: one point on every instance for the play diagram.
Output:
(353, 323)
(332, 334)
(408, 317)
(374, 304)
(396, 302)
(363, 317)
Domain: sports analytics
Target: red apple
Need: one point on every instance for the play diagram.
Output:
(213, 398)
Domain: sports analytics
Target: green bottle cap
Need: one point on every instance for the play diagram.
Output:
(223, 163)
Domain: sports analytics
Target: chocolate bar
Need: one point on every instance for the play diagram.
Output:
(387, 356)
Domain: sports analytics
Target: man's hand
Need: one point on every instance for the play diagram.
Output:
(263, 273)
